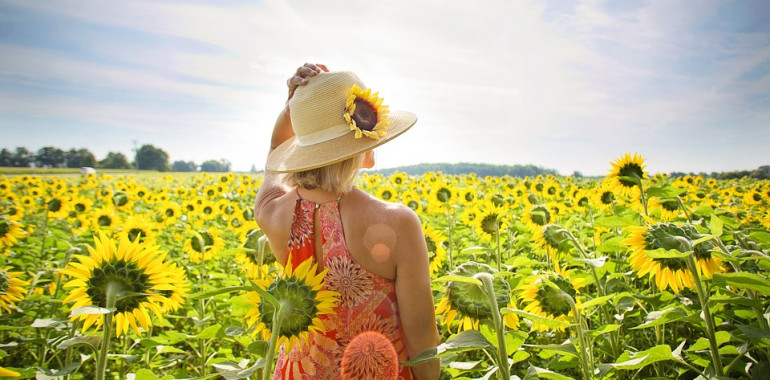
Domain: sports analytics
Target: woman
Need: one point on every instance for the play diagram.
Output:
(375, 251)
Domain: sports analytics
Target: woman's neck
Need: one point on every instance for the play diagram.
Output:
(318, 196)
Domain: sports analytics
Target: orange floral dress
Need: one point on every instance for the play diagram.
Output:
(367, 301)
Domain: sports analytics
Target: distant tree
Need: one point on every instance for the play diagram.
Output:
(577, 174)
(23, 157)
(182, 166)
(79, 158)
(215, 166)
(49, 156)
(114, 160)
(253, 169)
(148, 157)
(6, 157)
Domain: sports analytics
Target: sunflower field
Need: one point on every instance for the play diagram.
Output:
(169, 277)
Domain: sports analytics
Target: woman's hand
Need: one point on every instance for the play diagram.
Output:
(300, 77)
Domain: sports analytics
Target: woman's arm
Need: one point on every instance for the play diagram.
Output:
(271, 187)
(413, 292)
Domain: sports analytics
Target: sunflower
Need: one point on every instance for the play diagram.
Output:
(80, 206)
(387, 193)
(540, 298)
(203, 245)
(668, 208)
(57, 206)
(10, 232)
(105, 218)
(398, 178)
(670, 272)
(537, 216)
(299, 290)
(490, 221)
(12, 289)
(467, 303)
(249, 258)
(435, 241)
(137, 226)
(365, 113)
(169, 213)
(551, 239)
(603, 198)
(137, 272)
(627, 166)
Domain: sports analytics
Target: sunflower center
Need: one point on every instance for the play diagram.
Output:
(5, 227)
(134, 233)
(670, 205)
(413, 204)
(443, 195)
(607, 197)
(583, 202)
(469, 299)
(489, 224)
(300, 300)
(431, 244)
(757, 197)
(386, 195)
(632, 170)
(104, 221)
(540, 215)
(132, 282)
(365, 115)
(120, 199)
(79, 207)
(170, 212)
(201, 245)
(4, 281)
(54, 205)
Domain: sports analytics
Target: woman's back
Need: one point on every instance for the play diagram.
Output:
(367, 301)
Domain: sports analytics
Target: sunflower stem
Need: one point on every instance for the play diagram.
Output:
(706, 316)
(278, 315)
(111, 293)
(585, 355)
(498, 253)
(644, 197)
(686, 211)
(449, 233)
(489, 290)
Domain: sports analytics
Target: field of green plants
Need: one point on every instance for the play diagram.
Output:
(169, 277)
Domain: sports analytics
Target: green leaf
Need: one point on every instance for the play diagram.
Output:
(520, 356)
(616, 221)
(612, 245)
(211, 332)
(563, 349)
(743, 280)
(761, 237)
(657, 318)
(662, 253)
(472, 250)
(607, 329)
(258, 347)
(216, 292)
(464, 341)
(704, 211)
(169, 350)
(145, 374)
(716, 225)
(596, 263)
(536, 318)
(233, 371)
(232, 331)
(90, 310)
(47, 323)
(93, 341)
(467, 280)
(703, 239)
(595, 301)
(542, 373)
(664, 191)
(632, 361)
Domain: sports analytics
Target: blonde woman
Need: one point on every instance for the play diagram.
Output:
(375, 251)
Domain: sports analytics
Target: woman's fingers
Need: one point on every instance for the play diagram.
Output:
(301, 75)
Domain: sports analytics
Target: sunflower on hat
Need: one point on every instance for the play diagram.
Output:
(366, 114)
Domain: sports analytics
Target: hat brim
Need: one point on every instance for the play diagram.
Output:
(290, 157)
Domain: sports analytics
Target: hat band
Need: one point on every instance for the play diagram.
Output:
(323, 135)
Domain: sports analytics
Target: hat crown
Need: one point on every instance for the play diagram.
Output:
(320, 104)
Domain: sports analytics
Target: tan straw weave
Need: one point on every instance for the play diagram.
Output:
(323, 136)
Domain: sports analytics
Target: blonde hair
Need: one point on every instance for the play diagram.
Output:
(334, 178)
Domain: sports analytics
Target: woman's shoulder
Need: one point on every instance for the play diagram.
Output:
(399, 216)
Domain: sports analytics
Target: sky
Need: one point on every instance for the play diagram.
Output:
(566, 85)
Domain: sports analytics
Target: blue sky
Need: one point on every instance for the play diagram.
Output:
(564, 85)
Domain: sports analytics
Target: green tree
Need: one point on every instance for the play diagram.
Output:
(115, 160)
(182, 166)
(49, 156)
(148, 157)
(79, 158)
(215, 166)
(23, 157)
(6, 157)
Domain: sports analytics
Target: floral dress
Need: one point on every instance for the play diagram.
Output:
(366, 301)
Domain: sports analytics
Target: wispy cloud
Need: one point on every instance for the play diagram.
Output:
(565, 86)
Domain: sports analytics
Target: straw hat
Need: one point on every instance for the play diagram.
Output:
(335, 117)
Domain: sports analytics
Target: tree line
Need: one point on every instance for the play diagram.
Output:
(762, 172)
(147, 157)
(481, 170)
